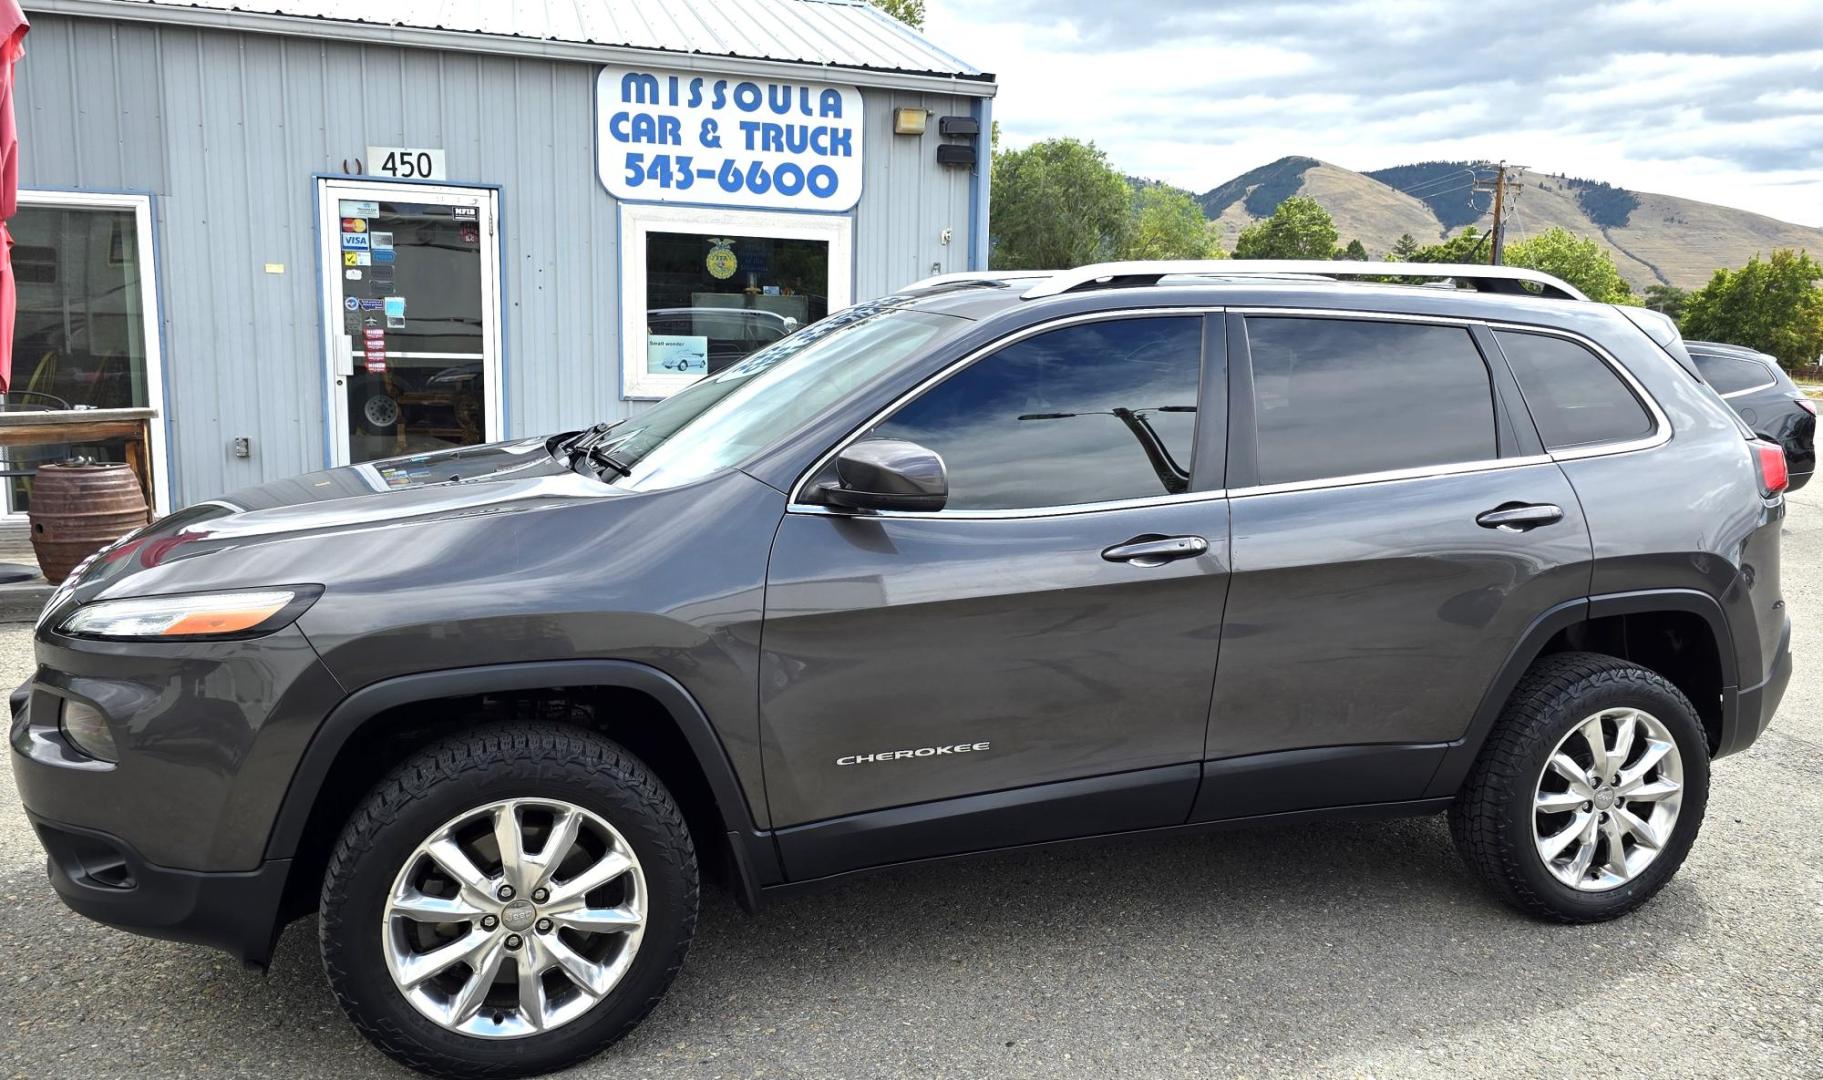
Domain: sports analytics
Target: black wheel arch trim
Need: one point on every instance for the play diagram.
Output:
(755, 858)
(1454, 768)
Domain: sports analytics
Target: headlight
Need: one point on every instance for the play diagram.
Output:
(195, 615)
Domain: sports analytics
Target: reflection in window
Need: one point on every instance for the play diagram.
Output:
(1573, 396)
(712, 299)
(79, 335)
(1092, 413)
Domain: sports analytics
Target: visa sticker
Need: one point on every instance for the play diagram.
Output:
(355, 241)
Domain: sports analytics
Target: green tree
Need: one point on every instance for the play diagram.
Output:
(1668, 299)
(1405, 247)
(1168, 224)
(1299, 229)
(1467, 246)
(1774, 305)
(1057, 204)
(909, 12)
(1578, 260)
(1354, 252)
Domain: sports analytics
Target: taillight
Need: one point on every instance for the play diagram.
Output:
(1809, 405)
(1771, 459)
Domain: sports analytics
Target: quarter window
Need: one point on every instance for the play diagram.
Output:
(1097, 412)
(1574, 397)
(1732, 374)
(1335, 397)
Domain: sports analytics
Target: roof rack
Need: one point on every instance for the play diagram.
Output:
(984, 277)
(1498, 279)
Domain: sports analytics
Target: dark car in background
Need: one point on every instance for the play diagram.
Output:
(1765, 398)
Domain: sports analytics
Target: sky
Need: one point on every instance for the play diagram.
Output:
(1718, 100)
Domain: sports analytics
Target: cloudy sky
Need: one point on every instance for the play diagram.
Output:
(1720, 100)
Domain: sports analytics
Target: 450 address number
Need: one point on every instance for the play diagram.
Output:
(679, 172)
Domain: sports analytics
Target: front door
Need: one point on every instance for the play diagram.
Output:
(1012, 654)
(411, 317)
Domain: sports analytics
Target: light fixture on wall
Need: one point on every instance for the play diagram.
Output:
(963, 154)
(910, 121)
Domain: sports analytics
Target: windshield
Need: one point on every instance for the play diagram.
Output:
(728, 416)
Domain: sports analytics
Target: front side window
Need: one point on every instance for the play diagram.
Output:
(1574, 397)
(1096, 412)
(1340, 397)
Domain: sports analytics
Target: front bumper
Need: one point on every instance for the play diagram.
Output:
(103, 878)
(1752, 708)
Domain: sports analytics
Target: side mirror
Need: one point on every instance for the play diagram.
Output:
(888, 474)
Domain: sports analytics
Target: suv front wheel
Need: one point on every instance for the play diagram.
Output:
(508, 901)
(1589, 792)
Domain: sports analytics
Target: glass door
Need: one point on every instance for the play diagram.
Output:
(412, 317)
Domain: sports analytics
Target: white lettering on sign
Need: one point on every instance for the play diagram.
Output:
(406, 163)
(667, 136)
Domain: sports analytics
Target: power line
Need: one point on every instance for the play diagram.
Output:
(1457, 175)
(1500, 185)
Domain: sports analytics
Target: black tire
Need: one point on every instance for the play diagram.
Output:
(376, 411)
(1491, 820)
(517, 760)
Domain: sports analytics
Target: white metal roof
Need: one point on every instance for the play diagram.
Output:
(833, 33)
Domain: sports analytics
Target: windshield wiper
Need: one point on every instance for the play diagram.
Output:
(606, 459)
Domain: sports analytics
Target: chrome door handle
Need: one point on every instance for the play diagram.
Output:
(1518, 517)
(1156, 550)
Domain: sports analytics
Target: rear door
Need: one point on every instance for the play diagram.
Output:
(1396, 529)
(1002, 671)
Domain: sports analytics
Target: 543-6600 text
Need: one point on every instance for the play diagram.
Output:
(679, 172)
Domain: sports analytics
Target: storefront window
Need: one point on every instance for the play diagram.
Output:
(711, 300)
(79, 338)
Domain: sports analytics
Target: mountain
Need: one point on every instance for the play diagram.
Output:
(1652, 238)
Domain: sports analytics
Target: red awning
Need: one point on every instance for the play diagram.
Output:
(12, 46)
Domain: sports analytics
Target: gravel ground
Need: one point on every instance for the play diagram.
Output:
(1334, 950)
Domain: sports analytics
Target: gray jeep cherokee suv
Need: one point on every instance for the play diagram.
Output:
(996, 561)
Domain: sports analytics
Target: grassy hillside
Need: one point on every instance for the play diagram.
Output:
(1651, 237)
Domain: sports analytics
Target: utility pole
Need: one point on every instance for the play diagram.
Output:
(1499, 186)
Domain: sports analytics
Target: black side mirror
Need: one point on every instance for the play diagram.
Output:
(888, 474)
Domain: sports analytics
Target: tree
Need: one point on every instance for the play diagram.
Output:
(1354, 252)
(1057, 204)
(1774, 305)
(909, 12)
(1578, 260)
(1405, 248)
(1299, 229)
(1168, 224)
(1668, 299)
(1467, 246)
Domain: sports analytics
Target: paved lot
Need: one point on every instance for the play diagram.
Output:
(1332, 950)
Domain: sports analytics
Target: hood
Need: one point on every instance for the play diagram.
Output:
(490, 479)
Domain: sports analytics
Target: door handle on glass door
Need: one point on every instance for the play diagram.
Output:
(1156, 550)
(1518, 517)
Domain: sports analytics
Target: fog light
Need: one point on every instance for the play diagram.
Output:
(87, 730)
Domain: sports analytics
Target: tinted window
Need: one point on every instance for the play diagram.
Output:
(1574, 397)
(1088, 413)
(1335, 397)
(1729, 374)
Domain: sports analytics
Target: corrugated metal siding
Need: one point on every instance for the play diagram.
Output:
(848, 33)
(226, 130)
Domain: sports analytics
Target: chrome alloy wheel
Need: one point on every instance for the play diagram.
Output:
(514, 918)
(1607, 799)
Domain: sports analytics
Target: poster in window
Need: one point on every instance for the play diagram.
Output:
(677, 354)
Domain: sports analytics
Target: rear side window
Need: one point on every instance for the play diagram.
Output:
(1732, 374)
(1575, 398)
(1097, 412)
(1335, 397)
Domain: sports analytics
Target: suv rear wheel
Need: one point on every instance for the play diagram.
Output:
(508, 901)
(1589, 792)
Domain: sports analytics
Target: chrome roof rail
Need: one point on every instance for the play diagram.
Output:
(983, 276)
(1498, 279)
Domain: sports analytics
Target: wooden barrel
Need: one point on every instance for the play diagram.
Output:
(78, 508)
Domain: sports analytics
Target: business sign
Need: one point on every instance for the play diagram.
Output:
(666, 136)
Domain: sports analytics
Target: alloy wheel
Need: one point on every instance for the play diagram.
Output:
(1607, 800)
(514, 918)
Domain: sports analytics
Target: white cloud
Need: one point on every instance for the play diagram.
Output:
(1716, 102)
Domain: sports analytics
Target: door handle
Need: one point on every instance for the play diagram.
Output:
(1519, 517)
(1156, 550)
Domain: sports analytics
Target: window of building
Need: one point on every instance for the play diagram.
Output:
(84, 336)
(1097, 412)
(1574, 397)
(1731, 374)
(704, 288)
(1340, 397)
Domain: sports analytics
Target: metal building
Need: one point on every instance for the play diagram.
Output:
(311, 232)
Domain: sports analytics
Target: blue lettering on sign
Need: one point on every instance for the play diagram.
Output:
(734, 141)
(371, 303)
(354, 240)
